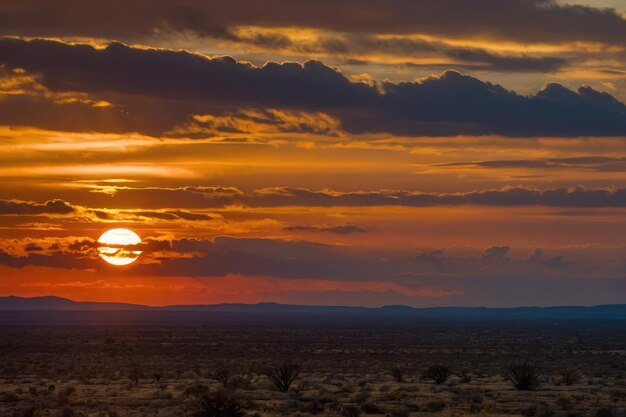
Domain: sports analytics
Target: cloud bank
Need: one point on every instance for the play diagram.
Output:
(157, 90)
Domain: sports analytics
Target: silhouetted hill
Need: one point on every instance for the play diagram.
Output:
(12, 303)
(601, 312)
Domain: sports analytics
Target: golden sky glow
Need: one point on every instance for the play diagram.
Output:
(341, 154)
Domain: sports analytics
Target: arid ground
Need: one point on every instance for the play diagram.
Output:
(101, 364)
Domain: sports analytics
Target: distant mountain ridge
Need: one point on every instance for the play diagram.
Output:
(50, 302)
(600, 312)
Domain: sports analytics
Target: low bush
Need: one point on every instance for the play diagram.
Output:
(438, 373)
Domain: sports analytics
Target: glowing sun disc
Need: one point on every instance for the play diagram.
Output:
(112, 246)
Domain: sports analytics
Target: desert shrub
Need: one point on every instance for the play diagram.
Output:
(435, 406)
(282, 376)
(371, 408)
(396, 395)
(438, 373)
(396, 373)
(218, 404)
(223, 374)
(524, 376)
(569, 376)
(350, 411)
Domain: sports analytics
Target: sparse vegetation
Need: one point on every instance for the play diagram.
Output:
(349, 372)
(524, 376)
(223, 374)
(438, 374)
(569, 376)
(282, 376)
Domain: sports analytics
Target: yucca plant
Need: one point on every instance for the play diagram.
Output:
(282, 376)
(524, 376)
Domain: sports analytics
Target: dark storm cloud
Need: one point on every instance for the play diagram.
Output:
(31, 208)
(520, 20)
(183, 83)
(344, 229)
(454, 103)
(179, 75)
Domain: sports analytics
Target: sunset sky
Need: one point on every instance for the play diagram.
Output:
(353, 152)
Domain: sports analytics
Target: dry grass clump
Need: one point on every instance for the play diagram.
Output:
(568, 376)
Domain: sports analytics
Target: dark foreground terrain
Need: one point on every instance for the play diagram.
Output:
(138, 363)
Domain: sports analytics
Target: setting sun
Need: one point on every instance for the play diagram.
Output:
(113, 246)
